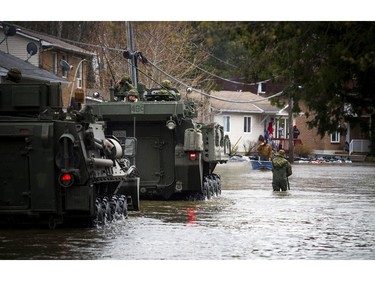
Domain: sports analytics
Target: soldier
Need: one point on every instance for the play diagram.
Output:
(133, 96)
(124, 85)
(281, 170)
(168, 90)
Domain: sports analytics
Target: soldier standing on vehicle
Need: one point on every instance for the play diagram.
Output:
(281, 170)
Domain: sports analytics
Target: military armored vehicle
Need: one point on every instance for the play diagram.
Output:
(176, 157)
(60, 167)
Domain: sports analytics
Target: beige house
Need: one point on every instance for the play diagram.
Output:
(49, 53)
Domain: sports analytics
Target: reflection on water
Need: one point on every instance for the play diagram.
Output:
(329, 213)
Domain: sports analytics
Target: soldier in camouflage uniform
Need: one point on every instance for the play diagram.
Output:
(125, 85)
(281, 170)
(133, 96)
(168, 90)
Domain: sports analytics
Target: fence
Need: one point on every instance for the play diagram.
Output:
(359, 146)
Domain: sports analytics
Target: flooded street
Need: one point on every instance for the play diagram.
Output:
(328, 214)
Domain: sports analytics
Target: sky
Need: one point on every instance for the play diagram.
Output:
(191, 10)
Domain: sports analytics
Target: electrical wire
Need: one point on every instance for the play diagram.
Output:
(210, 96)
(207, 72)
(175, 79)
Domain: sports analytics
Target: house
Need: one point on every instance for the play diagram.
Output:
(244, 116)
(48, 53)
(355, 140)
(29, 72)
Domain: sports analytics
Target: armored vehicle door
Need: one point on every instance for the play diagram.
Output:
(27, 166)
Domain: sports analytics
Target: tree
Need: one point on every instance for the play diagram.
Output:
(329, 66)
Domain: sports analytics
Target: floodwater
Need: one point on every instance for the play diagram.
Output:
(328, 214)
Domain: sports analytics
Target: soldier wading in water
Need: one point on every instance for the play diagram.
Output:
(281, 170)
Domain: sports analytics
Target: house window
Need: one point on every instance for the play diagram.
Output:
(247, 124)
(226, 120)
(335, 137)
(54, 63)
(282, 128)
(65, 73)
(261, 88)
(79, 77)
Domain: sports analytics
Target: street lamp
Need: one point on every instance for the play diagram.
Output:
(74, 80)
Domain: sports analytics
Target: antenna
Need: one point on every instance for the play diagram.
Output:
(31, 49)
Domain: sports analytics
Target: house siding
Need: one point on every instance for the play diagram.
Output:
(237, 133)
(17, 46)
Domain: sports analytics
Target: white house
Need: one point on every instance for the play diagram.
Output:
(245, 116)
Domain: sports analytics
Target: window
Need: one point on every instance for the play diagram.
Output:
(65, 73)
(54, 63)
(79, 77)
(247, 124)
(335, 137)
(282, 128)
(226, 120)
(261, 88)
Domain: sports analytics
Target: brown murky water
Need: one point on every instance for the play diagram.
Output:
(329, 214)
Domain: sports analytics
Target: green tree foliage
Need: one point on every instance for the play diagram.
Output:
(330, 66)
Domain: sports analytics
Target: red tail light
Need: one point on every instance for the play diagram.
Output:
(193, 155)
(66, 179)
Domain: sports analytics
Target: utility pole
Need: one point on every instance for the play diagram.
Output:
(291, 142)
(133, 66)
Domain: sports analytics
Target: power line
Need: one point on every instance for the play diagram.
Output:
(207, 72)
(210, 96)
(178, 81)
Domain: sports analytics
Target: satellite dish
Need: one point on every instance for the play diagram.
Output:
(65, 66)
(9, 30)
(32, 49)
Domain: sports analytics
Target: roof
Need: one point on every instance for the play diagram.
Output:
(225, 102)
(28, 70)
(50, 41)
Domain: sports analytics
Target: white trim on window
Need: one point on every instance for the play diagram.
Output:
(247, 124)
(226, 122)
(335, 137)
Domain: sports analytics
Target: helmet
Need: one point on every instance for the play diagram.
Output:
(126, 78)
(166, 84)
(14, 74)
(282, 152)
(133, 92)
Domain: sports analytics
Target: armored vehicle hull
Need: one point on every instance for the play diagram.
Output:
(176, 157)
(59, 168)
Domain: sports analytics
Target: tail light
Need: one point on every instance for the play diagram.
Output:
(66, 179)
(193, 155)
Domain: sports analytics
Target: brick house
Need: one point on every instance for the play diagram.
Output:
(50, 52)
(355, 140)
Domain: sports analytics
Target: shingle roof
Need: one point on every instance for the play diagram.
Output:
(28, 70)
(49, 40)
(219, 102)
